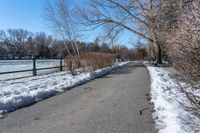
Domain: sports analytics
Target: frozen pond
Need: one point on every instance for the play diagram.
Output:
(16, 65)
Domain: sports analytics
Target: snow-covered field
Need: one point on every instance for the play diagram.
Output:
(18, 93)
(16, 65)
(170, 116)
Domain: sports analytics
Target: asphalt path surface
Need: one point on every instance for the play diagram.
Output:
(116, 103)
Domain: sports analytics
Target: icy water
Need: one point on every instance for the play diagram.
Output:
(16, 65)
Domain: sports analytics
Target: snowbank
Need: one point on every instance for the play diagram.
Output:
(170, 116)
(18, 93)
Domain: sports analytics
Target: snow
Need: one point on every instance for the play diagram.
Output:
(170, 116)
(19, 93)
(16, 65)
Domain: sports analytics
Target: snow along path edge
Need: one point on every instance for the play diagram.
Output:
(169, 115)
(16, 101)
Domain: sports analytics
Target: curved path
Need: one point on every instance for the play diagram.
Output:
(116, 103)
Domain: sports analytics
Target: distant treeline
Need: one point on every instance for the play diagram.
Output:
(20, 44)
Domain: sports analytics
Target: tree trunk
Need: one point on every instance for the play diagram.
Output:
(159, 54)
(157, 46)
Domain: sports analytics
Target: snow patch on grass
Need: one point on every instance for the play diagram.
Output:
(170, 116)
(19, 93)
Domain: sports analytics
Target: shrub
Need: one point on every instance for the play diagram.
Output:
(184, 49)
(73, 62)
(96, 60)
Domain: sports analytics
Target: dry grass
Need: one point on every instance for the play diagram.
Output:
(94, 60)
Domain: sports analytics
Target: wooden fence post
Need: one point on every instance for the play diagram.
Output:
(61, 66)
(34, 66)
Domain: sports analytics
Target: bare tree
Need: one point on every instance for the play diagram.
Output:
(42, 45)
(30, 47)
(138, 17)
(104, 48)
(16, 37)
(61, 20)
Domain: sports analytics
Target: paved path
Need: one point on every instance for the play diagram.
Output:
(117, 103)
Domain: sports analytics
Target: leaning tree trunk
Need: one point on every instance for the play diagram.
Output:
(158, 54)
(157, 46)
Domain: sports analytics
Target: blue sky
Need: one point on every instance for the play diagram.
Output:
(27, 14)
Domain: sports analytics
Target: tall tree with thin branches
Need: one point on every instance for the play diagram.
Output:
(138, 17)
(60, 18)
